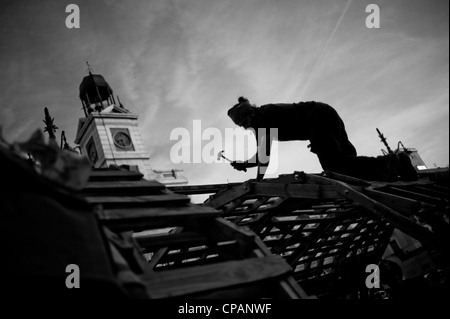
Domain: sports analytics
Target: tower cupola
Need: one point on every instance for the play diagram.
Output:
(95, 93)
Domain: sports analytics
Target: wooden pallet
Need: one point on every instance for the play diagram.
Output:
(181, 250)
(330, 227)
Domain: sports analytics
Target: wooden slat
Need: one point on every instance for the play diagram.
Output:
(431, 192)
(141, 218)
(201, 256)
(161, 252)
(189, 281)
(147, 200)
(187, 238)
(347, 179)
(225, 197)
(401, 204)
(416, 196)
(124, 186)
(201, 189)
(309, 191)
(110, 175)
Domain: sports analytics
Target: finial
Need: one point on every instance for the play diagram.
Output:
(65, 146)
(89, 69)
(49, 126)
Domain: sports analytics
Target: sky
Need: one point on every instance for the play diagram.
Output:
(176, 61)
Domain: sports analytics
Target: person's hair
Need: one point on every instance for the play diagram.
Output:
(242, 99)
(242, 109)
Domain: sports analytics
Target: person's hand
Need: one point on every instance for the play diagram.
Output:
(240, 166)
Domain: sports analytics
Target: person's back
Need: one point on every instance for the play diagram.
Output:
(293, 120)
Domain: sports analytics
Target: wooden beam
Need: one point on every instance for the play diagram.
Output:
(406, 206)
(222, 198)
(308, 191)
(147, 200)
(161, 252)
(112, 175)
(201, 189)
(200, 279)
(150, 242)
(401, 222)
(142, 218)
(123, 186)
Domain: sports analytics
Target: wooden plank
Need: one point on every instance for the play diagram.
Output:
(224, 197)
(176, 239)
(198, 256)
(308, 191)
(123, 186)
(403, 223)
(177, 263)
(201, 189)
(431, 192)
(401, 204)
(416, 196)
(161, 252)
(427, 213)
(328, 218)
(147, 200)
(200, 279)
(112, 175)
(347, 179)
(141, 218)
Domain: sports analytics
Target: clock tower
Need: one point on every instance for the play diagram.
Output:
(108, 133)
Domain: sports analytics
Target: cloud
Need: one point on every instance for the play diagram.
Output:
(175, 61)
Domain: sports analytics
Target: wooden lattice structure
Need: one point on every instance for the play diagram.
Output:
(330, 227)
(191, 252)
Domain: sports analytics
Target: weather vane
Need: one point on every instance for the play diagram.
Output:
(89, 69)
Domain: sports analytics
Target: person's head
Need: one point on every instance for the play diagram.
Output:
(242, 113)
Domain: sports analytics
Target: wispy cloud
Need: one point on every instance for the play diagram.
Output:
(175, 61)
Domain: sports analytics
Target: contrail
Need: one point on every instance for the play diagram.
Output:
(311, 75)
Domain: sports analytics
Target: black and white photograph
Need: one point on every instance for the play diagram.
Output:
(223, 155)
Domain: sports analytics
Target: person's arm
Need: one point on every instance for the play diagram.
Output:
(242, 165)
(264, 139)
(261, 158)
(251, 162)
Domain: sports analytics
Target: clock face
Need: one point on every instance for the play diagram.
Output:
(122, 139)
(92, 152)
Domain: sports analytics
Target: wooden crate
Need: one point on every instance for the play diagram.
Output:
(176, 249)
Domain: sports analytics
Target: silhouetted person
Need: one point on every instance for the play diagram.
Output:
(322, 126)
